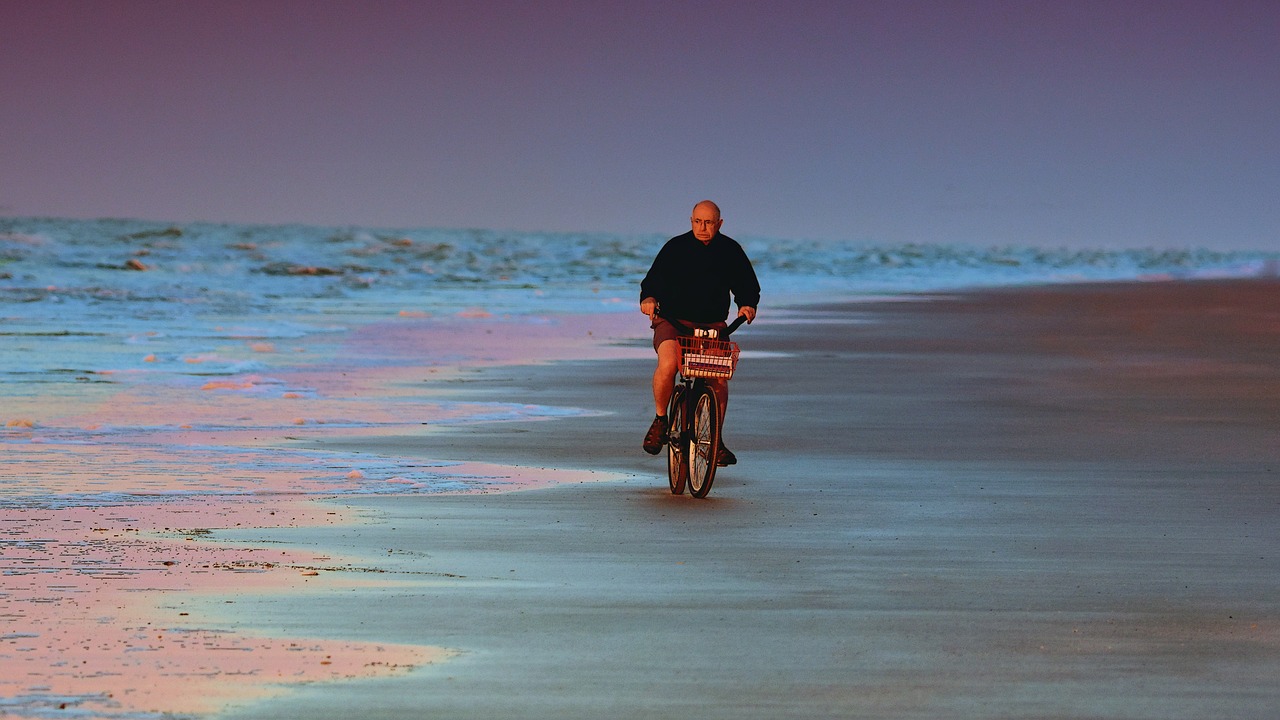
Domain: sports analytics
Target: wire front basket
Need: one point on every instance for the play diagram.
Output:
(706, 358)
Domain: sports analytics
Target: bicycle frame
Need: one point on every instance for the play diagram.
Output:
(693, 440)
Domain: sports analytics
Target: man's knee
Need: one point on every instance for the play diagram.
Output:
(669, 356)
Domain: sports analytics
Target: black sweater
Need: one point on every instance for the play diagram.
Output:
(692, 281)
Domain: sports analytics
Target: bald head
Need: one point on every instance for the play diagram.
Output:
(708, 205)
(706, 220)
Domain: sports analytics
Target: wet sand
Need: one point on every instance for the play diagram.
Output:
(1039, 503)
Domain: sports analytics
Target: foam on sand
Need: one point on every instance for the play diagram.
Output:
(116, 503)
(98, 622)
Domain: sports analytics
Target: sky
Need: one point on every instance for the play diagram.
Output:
(1079, 124)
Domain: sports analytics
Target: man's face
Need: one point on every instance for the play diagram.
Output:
(706, 223)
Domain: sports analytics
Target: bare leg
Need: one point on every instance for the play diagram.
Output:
(722, 399)
(664, 376)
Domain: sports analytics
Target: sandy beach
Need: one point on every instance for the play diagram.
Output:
(1025, 503)
(324, 385)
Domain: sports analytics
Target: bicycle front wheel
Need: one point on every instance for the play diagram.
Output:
(704, 443)
(677, 450)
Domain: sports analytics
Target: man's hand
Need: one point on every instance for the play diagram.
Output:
(749, 312)
(649, 306)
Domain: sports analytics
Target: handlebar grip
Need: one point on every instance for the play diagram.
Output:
(734, 326)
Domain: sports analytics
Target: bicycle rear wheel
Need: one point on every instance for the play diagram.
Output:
(704, 443)
(677, 450)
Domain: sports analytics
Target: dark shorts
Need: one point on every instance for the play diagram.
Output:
(663, 330)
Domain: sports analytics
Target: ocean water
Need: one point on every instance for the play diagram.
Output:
(123, 340)
(78, 271)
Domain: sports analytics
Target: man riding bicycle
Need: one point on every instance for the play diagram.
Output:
(691, 280)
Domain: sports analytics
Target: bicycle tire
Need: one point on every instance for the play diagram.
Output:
(677, 456)
(704, 442)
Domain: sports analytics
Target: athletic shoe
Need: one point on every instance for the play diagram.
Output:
(657, 435)
(724, 458)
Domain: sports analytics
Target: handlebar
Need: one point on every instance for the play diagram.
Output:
(706, 332)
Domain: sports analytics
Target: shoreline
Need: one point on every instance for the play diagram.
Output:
(120, 533)
(943, 501)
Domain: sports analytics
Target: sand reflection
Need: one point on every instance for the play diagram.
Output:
(112, 502)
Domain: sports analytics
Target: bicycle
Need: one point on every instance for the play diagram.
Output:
(693, 425)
